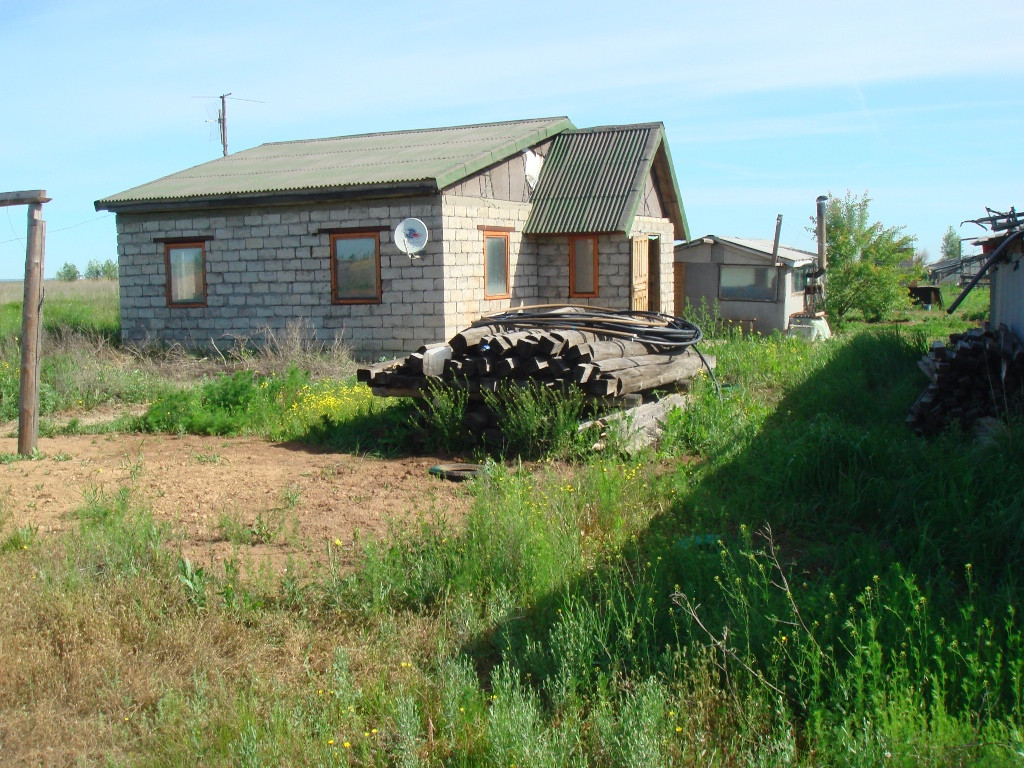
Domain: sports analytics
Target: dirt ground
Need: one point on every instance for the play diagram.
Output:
(214, 490)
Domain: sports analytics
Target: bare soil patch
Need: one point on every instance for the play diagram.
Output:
(204, 486)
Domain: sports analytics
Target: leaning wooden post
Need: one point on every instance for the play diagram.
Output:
(32, 328)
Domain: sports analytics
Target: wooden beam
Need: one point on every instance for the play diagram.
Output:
(31, 332)
(25, 197)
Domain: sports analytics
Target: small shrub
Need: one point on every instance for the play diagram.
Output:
(538, 422)
(194, 581)
(68, 273)
(441, 415)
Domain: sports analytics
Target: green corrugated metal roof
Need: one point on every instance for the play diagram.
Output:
(440, 157)
(593, 180)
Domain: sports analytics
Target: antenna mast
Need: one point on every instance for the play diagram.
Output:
(222, 116)
(222, 121)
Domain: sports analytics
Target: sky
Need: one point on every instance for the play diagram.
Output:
(766, 106)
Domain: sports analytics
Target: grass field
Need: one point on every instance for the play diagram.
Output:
(792, 578)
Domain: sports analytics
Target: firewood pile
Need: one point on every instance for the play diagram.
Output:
(604, 353)
(979, 374)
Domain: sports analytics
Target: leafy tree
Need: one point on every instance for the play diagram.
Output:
(69, 272)
(951, 247)
(96, 270)
(864, 261)
(917, 267)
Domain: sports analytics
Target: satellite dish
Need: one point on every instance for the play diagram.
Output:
(411, 237)
(532, 163)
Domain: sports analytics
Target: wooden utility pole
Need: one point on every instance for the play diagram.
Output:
(222, 119)
(31, 316)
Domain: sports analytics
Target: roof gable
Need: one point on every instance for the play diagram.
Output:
(424, 160)
(593, 181)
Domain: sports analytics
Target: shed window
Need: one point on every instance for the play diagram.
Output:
(801, 277)
(496, 265)
(742, 283)
(355, 268)
(583, 279)
(186, 274)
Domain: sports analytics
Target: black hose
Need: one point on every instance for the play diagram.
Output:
(665, 332)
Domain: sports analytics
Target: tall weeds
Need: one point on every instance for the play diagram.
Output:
(792, 579)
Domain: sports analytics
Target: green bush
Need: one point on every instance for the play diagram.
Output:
(442, 413)
(539, 422)
(240, 403)
(68, 273)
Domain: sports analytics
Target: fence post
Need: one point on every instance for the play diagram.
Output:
(32, 330)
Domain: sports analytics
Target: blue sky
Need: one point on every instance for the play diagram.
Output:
(766, 106)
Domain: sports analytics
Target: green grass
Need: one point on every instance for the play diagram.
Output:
(937, 323)
(82, 365)
(792, 578)
(342, 415)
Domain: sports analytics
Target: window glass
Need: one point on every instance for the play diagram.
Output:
(186, 283)
(583, 267)
(356, 267)
(741, 283)
(496, 266)
(801, 277)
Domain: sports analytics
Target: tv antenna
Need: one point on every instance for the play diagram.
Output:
(222, 116)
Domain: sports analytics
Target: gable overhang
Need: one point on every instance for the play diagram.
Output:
(288, 197)
(668, 188)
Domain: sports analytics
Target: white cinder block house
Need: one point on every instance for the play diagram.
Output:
(517, 213)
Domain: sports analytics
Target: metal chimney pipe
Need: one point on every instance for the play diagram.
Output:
(778, 235)
(822, 202)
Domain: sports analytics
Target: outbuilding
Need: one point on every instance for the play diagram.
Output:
(514, 213)
(743, 280)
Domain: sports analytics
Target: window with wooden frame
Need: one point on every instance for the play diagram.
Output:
(186, 274)
(583, 278)
(496, 272)
(355, 268)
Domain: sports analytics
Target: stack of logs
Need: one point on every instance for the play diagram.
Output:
(485, 358)
(979, 374)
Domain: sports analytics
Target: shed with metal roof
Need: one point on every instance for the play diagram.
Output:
(753, 282)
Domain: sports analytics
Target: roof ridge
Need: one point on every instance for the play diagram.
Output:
(614, 128)
(439, 129)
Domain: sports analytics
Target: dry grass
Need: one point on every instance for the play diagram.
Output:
(275, 351)
(80, 290)
(267, 351)
(111, 662)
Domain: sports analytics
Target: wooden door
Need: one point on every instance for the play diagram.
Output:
(638, 294)
(679, 288)
(654, 274)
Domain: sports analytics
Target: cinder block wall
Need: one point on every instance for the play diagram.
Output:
(464, 220)
(613, 253)
(269, 268)
(614, 264)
